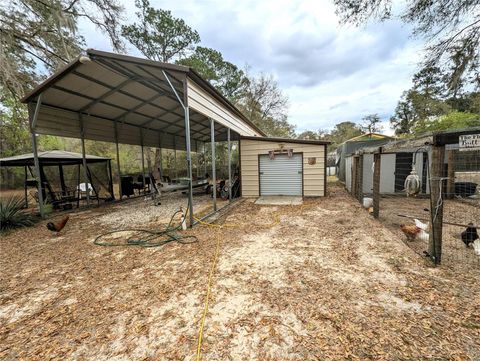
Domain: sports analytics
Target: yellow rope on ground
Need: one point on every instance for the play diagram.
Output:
(207, 297)
(276, 220)
(231, 225)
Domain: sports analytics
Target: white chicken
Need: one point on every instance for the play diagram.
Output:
(476, 247)
(367, 202)
(424, 227)
(421, 225)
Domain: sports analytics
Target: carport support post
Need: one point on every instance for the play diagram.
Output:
(198, 159)
(436, 203)
(229, 166)
(160, 168)
(143, 161)
(84, 159)
(189, 159)
(118, 161)
(33, 122)
(175, 157)
(184, 105)
(214, 176)
(204, 159)
(377, 158)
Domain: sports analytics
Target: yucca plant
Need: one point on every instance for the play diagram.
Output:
(12, 214)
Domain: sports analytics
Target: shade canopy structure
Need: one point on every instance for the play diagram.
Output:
(135, 101)
(58, 175)
(118, 98)
(52, 157)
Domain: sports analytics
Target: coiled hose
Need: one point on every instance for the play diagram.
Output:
(149, 238)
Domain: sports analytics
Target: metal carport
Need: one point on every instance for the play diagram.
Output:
(117, 98)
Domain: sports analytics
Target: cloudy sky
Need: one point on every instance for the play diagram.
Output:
(330, 72)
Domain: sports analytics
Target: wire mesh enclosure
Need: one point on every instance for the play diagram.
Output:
(429, 194)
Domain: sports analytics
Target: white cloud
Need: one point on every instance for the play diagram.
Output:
(330, 72)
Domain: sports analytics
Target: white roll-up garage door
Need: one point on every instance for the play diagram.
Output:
(281, 175)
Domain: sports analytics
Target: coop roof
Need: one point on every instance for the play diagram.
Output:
(51, 157)
(448, 138)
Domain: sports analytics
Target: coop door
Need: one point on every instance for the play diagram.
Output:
(403, 167)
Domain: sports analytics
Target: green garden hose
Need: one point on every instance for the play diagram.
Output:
(150, 238)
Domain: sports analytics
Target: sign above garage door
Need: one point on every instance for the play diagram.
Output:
(282, 175)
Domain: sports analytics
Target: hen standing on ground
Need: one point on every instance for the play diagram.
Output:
(469, 235)
(57, 227)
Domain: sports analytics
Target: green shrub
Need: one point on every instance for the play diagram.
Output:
(12, 214)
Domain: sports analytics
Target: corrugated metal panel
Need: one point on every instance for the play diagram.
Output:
(204, 103)
(281, 175)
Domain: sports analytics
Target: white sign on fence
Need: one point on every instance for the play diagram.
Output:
(469, 142)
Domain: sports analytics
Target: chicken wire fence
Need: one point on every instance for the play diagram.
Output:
(417, 186)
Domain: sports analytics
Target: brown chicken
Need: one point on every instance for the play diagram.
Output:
(57, 227)
(410, 230)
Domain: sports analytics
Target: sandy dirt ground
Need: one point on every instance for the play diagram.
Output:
(321, 281)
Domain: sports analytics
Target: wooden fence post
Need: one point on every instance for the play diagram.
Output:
(360, 179)
(377, 158)
(436, 203)
(451, 174)
(353, 178)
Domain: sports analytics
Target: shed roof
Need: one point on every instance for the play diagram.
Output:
(368, 136)
(50, 157)
(288, 140)
(133, 98)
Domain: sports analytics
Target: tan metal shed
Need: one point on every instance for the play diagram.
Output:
(278, 166)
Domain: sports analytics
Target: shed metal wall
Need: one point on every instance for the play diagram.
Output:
(313, 175)
(207, 105)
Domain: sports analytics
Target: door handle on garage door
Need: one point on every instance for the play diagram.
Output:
(299, 172)
(261, 172)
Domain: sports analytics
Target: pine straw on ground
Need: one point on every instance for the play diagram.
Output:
(318, 281)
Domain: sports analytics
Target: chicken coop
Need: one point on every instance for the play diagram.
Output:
(348, 148)
(432, 183)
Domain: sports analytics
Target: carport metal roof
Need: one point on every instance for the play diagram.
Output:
(135, 101)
